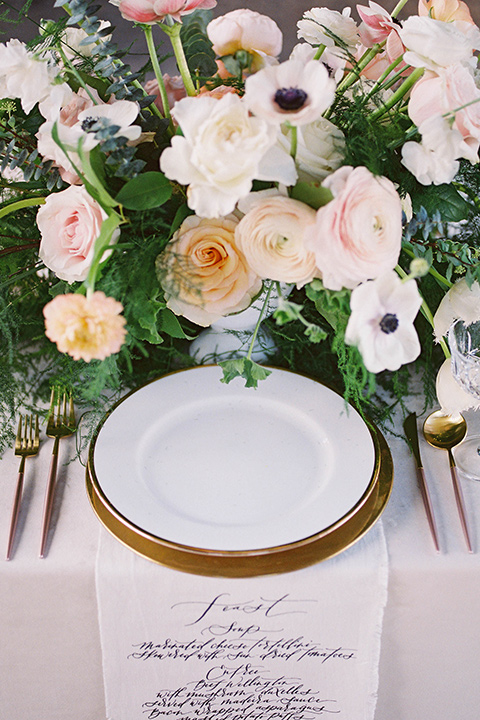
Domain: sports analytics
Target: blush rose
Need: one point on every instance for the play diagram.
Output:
(357, 235)
(69, 222)
(203, 273)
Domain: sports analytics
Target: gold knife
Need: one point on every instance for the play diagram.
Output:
(411, 431)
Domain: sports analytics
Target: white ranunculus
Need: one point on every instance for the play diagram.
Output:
(381, 323)
(433, 43)
(222, 150)
(461, 302)
(320, 26)
(292, 91)
(450, 394)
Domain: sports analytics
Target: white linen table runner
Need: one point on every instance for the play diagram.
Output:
(293, 646)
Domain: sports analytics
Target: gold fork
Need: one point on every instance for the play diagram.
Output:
(60, 423)
(27, 443)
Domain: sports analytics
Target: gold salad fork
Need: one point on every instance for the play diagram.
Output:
(27, 443)
(61, 423)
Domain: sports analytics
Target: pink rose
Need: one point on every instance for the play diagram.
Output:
(148, 12)
(203, 273)
(87, 328)
(357, 235)
(245, 30)
(69, 222)
(174, 87)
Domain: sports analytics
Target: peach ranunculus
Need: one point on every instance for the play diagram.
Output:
(357, 236)
(248, 30)
(270, 236)
(70, 222)
(148, 12)
(203, 273)
(446, 10)
(87, 328)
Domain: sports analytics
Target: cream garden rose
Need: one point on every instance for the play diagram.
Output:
(87, 328)
(69, 222)
(271, 237)
(357, 235)
(222, 150)
(204, 274)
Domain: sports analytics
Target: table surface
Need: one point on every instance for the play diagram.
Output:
(50, 657)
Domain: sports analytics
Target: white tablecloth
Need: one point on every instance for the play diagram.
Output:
(50, 653)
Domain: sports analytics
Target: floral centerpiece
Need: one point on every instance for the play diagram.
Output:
(138, 208)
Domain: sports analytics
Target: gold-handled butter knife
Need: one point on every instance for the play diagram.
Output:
(411, 432)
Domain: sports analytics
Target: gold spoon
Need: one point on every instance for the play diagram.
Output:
(446, 431)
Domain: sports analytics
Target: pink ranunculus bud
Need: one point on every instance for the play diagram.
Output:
(149, 12)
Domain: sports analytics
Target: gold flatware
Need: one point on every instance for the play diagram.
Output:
(411, 432)
(446, 431)
(61, 423)
(27, 443)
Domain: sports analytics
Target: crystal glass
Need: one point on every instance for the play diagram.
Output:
(464, 341)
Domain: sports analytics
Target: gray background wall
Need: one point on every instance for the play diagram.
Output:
(285, 12)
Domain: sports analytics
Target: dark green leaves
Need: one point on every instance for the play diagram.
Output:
(146, 191)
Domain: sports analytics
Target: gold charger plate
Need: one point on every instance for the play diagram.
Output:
(244, 563)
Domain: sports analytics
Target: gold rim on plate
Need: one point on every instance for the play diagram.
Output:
(278, 559)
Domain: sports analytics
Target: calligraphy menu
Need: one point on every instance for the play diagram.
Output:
(297, 646)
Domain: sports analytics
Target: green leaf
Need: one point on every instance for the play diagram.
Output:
(245, 368)
(444, 198)
(287, 311)
(312, 194)
(146, 191)
(170, 325)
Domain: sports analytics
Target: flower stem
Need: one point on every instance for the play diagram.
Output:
(20, 204)
(173, 31)
(320, 51)
(398, 94)
(157, 70)
(399, 6)
(70, 67)
(426, 312)
(293, 141)
(353, 75)
(259, 321)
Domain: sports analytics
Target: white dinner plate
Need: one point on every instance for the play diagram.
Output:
(204, 464)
